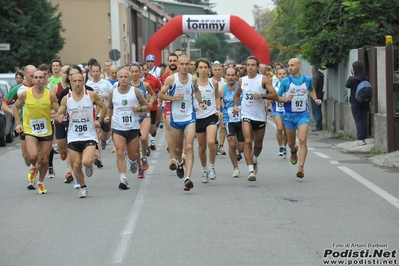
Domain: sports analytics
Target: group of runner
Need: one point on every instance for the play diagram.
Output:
(88, 108)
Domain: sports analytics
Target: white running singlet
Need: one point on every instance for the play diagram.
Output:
(182, 111)
(208, 97)
(81, 119)
(251, 108)
(123, 117)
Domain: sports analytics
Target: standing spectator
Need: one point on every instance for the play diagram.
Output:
(359, 110)
(318, 83)
(19, 77)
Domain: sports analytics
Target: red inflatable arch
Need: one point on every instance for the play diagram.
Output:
(208, 23)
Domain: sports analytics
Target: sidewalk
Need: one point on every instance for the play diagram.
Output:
(385, 160)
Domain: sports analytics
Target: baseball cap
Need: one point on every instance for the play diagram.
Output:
(150, 57)
(216, 62)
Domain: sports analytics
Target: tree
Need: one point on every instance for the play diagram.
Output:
(262, 18)
(282, 34)
(333, 28)
(211, 47)
(239, 52)
(33, 31)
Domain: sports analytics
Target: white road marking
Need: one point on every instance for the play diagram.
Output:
(334, 162)
(128, 231)
(322, 155)
(311, 149)
(373, 187)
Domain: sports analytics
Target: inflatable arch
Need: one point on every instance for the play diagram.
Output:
(210, 24)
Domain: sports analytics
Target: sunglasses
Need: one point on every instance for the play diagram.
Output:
(151, 61)
(135, 64)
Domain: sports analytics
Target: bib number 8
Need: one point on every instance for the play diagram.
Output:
(183, 105)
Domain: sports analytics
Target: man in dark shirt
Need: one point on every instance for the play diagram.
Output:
(318, 83)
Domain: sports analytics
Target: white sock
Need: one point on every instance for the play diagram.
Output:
(250, 168)
(123, 175)
(212, 166)
(151, 137)
(204, 169)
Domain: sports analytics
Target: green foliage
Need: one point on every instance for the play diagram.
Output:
(211, 46)
(239, 53)
(326, 30)
(33, 31)
(282, 34)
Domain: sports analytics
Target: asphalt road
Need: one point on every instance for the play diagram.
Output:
(277, 220)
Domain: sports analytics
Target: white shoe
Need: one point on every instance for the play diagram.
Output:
(89, 171)
(83, 192)
(204, 177)
(236, 172)
(212, 173)
(251, 176)
(76, 185)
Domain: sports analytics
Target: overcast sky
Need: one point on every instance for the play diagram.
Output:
(242, 8)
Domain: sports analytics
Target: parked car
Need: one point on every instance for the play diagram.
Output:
(7, 122)
(10, 77)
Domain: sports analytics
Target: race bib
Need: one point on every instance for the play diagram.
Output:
(126, 118)
(233, 118)
(298, 103)
(38, 126)
(279, 107)
(248, 98)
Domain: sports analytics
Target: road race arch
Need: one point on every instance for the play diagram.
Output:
(208, 24)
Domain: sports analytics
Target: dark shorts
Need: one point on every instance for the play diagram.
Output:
(141, 119)
(234, 130)
(256, 125)
(80, 146)
(203, 123)
(153, 115)
(129, 135)
(106, 127)
(40, 139)
(61, 131)
(21, 136)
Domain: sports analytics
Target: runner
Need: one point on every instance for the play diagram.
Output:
(181, 87)
(254, 89)
(231, 120)
(102, 87)
(125, 104)
(82, 136)
(207, 119)
(145, 119)
(278, 111)
(37, 127)
(296, 114)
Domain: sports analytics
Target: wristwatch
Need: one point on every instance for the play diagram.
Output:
(139, 109)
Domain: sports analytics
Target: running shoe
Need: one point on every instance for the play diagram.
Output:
(76, 185)
(152, 146)
(221, 151)
(212, 174)
(31, 186)
(285, 153)
(239, 156)
(144, 163)
(188, 184)
(180, 171)
(113, 150)
(256, 168)
(148, 152)
(83, 192)
(141, 173)
(41, 189)
(252, 176)
(236, 172)
(103, 144)
(294, 156)
(161, 125)
(300, 172)
(133, 166)
(68, 178)
(123, 184)
(183, 159)
(204, 177)
(64, 156)
(51, 173)
(98, 162)
(89, 171)
(173, 164)
(281, 151)
(32, 174)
